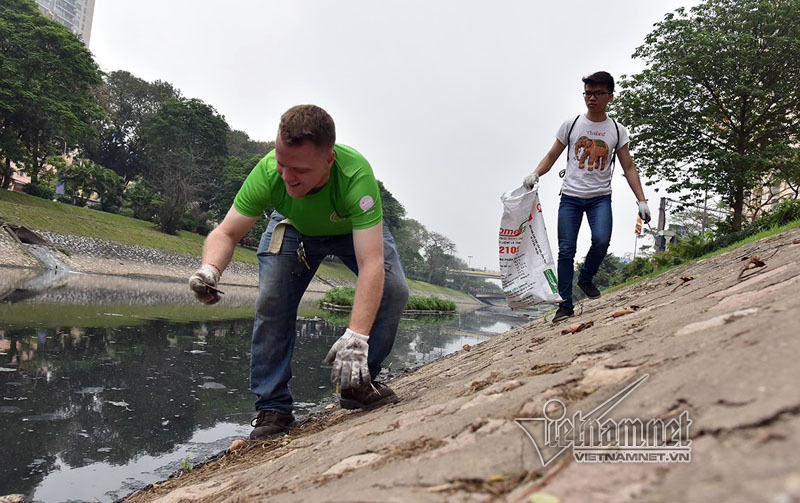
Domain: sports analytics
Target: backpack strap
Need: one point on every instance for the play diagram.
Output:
(614, 153)
(564, 171)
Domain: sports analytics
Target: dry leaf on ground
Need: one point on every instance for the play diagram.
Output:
(577, 328)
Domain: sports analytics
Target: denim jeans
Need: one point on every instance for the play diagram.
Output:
(282, 280)
(570, 215)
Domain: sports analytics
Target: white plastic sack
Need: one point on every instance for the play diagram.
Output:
(526, 262)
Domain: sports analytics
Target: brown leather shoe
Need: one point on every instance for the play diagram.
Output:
(367, 396)
(269, 423)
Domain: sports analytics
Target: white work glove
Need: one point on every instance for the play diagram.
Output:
(204, 284)
(349, 358)
(530, 181)
(644, 211)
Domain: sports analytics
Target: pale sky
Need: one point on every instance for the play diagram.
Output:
(452, 102)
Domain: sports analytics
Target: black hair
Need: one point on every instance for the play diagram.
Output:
(600, 79)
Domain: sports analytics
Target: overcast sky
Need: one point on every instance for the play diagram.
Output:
(452, 102)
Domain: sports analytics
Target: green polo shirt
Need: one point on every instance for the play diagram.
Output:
(350, 200)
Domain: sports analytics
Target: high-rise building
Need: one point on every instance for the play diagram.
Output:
(74, 14)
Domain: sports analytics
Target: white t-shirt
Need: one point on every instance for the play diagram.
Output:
(589, 160)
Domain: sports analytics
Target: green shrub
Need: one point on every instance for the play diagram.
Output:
(783, 213)
(421, 303)
(343, 296)
(702, 244)
(39, 190)
(340, 295)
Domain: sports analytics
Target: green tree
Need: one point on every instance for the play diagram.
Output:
(410, 240)
(240, 145)
(46, 77)
(244, 154)
(128, 102)
(84, 179)
(139, 201)
(439, 250)
(719, 97)
(232, 176)
(393, 211)
(185, 147)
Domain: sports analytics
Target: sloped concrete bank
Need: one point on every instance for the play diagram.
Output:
(118, 269)
(719, 347)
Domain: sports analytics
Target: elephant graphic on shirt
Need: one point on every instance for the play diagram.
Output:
(595, 150)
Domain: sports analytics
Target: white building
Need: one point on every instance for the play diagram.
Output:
(74, 14)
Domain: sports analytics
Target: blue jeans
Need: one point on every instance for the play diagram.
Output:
(282, 280)
(570, 214)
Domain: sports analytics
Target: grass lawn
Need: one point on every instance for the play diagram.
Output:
(37, 213)
(427, 287)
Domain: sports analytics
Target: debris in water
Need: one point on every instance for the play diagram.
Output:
(212, 385)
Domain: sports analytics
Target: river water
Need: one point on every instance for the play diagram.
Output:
(98, 403)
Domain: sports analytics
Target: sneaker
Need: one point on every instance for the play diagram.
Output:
(269, 423)
(589, 289)
(367, 396)
(562, 314)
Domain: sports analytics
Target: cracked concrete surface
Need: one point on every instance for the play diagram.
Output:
(721, 348)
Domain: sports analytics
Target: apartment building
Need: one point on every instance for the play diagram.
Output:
(74, 14)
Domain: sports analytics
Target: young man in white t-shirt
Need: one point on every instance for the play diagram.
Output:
(594, 141)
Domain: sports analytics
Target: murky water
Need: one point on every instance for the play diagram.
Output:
(92, 413)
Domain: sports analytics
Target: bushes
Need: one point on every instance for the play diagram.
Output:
(702, 244)
(39, 190)
(783, 213)
(420, 303)
(343, 296)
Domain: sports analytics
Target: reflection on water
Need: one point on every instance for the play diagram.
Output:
(94, 413)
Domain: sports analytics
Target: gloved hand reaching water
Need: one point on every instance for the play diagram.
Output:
(349, 358)
(204, 284)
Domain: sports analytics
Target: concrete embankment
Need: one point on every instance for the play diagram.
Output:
(115, 273)
(717, 342)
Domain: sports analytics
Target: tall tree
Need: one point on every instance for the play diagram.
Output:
(393, 210)
(46, 76)
(185, 146)
(128, 102)
(410, 239)
(243, 155)
(439, 250)
(718, 100)
(240, 145)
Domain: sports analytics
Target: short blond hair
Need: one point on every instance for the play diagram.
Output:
(307, 123)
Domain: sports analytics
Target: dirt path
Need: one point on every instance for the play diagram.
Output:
(719, 347)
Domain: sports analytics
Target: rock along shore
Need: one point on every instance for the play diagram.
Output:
(719, 348)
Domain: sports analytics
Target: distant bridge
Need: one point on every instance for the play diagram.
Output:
(475, 273)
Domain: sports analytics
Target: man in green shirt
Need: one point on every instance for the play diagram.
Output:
(326, 202)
